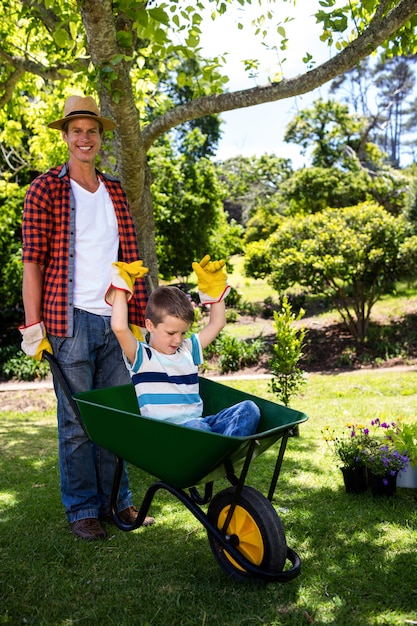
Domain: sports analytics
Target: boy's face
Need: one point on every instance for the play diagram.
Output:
(167, 336)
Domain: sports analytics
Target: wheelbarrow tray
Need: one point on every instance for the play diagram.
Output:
(179, 455)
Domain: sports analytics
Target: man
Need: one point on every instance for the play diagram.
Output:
(76, 222)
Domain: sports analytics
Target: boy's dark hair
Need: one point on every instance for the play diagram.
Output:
(169, 301)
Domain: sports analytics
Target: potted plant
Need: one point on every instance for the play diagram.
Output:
(383, 459)
(350, 450)
(404, 439)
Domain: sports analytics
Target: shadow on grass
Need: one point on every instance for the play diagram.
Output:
(357, 552)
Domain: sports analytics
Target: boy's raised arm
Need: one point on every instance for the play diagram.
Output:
(212, 289)
(118, 295)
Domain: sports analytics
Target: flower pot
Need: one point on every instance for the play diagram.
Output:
(408, 478)
(355, 479)
(382, 485)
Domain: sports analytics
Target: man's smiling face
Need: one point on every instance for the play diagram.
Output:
(83, 139)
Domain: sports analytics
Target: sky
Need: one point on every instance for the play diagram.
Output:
(260, 129)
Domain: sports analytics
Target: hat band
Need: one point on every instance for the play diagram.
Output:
(81, 113)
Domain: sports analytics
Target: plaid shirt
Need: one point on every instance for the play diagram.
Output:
(48, 231)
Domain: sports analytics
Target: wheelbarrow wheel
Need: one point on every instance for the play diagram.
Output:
(255, 530)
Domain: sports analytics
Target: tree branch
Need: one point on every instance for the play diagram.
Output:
(375, 35)
(9, 85)
(23, 65)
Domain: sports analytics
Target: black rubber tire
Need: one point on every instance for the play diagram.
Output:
(257, 532)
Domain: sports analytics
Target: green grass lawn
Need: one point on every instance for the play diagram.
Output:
(358, 552)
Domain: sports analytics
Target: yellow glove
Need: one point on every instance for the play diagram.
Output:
(35, 340)
(212, 280)
(123, 276)
(137, 332)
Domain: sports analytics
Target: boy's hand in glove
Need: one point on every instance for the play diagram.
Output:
(123, 276)
(35, 340)
(212, 280)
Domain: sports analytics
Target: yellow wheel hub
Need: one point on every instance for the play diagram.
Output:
(247, 531)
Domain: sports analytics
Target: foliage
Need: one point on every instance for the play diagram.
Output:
(403, 436)
(16, 365)
(410, 209)
(384, 94)
(235, 354)
(382, 456)
(314, 189)
(234, 298)
(383, 460)
(188, 209)
(251, 185)
(287, 377)
(121, 50)
(365, 446)
(350, 448)
(347, 168)
(328, 130)
(353, 255)
(11, 205)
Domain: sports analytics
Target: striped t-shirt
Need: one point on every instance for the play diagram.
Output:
(167, 384)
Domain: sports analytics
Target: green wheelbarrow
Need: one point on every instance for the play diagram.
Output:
(245, 533)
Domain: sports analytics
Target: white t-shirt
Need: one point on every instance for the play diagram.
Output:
(96, 247)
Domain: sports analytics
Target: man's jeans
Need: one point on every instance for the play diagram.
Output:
(91, 359)
(239, 420)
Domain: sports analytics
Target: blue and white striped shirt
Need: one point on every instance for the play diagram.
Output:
(167, 384)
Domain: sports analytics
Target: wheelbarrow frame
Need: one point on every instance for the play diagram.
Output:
(234, 464)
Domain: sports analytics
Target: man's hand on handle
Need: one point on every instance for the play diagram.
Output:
(34, 340)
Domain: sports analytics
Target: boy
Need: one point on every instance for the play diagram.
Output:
(165, 371)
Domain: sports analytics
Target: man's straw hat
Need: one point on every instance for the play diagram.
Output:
(76, 107)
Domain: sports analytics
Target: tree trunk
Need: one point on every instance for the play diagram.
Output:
(131, 161)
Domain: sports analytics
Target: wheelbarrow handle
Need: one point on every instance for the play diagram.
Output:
(62, 381)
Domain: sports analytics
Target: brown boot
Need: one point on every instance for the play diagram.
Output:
(89, 529)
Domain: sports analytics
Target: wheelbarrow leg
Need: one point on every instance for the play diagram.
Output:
(278, 465)
(114, 498)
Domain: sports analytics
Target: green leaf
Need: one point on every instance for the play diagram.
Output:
(61, 38)
(124, 38)
(159, 15)
(160, 36)
(73, 27)
(192, 40)
(142, 18)
(118, 58)
(181, 79)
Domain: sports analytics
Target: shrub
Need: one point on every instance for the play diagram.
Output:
(235, 354)
(15, 364)
(287, 377)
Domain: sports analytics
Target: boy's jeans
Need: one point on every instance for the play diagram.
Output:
(239, 420)
(91, 359)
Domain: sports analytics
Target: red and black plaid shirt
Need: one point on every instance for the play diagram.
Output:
(47, 241)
